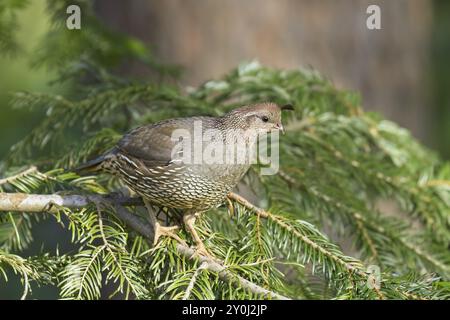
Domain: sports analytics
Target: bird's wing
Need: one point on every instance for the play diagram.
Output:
(154, 145)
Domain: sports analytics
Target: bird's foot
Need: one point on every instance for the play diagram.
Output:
(167, 232)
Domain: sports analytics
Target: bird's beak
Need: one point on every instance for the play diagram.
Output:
(280, 127)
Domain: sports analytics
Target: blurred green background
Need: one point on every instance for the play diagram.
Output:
(18, 74)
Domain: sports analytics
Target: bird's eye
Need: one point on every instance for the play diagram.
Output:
(265, 118)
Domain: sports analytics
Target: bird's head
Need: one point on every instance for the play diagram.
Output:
(263, 117)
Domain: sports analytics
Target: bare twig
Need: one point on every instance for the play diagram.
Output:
(39, 202)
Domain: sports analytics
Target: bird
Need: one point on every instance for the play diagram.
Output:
(158, 161)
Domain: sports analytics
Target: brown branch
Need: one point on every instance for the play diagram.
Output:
(49, 203)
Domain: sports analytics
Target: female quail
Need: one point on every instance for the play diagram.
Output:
(162, 163)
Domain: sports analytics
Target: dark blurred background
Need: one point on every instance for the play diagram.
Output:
(401, 71)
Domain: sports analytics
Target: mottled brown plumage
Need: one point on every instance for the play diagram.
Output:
(148, 160)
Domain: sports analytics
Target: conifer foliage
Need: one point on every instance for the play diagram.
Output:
(358, 210)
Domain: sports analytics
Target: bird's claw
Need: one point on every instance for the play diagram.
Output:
(168, 232)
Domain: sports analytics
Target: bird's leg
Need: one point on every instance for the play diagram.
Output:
(189, 221)
(151, 214)
(160, 230)
(230, 207)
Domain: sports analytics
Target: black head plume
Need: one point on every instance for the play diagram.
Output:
(287, 107)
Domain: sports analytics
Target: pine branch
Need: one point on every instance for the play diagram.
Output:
(187, 294)
(351, 267)
(354, 268)
(34, 203)
(32, 169)
(49, 203)
(375, 230)
(19, 266)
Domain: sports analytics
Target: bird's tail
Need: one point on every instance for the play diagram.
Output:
(90, 166)
(94, 165)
